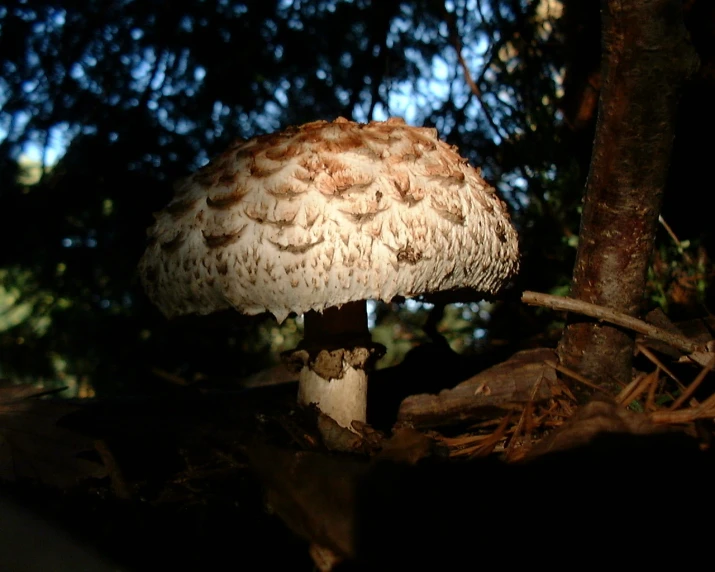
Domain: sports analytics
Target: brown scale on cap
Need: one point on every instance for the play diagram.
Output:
(335, 212)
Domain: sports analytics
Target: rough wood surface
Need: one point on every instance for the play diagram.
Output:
(647, 58)
(506, 386)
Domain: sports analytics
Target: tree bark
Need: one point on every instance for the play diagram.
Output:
(647, 58)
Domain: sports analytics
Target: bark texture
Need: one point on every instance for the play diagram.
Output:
(647, 58)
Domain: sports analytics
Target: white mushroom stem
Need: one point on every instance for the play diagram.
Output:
(335, 354)
(344, 400)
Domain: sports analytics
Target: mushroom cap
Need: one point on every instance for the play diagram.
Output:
(324, 214)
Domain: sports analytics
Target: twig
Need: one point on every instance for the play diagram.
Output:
(628, 389)
(474, 88)
(638, 389)
(170, 377)
(120, 486)
(677, 417)
(650, 404)
(694, 385)
(709, 404)
(524, 419)
(654, 359)
(573, 375)
(676, 240)
(483, 449)
(688, 415)
(612, 316)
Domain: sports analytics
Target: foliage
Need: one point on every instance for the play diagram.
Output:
(112, 101)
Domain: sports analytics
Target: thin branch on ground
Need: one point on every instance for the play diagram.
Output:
(694, 385)
(613, 317)
(656, 362)
(573, 375)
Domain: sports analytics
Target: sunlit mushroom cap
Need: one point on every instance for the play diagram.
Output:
(324, 214)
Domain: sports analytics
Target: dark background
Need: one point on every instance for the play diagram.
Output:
(134, 94)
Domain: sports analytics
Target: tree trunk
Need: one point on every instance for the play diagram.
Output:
(647, 58)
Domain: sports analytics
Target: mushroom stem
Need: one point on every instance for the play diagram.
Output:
(344, 399)
(335, 353)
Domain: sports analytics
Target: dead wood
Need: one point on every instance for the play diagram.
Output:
(595, 418)
(647, 58)
(505, 387)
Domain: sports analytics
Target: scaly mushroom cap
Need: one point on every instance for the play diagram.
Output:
(324, 214)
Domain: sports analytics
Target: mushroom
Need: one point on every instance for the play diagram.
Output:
(317, 219)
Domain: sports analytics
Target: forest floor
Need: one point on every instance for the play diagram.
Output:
(504, 462)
